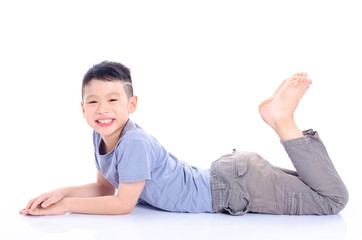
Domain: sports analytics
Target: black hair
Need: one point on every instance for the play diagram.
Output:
(110, 71)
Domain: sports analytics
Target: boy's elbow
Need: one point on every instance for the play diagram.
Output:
(127, 211)
(124, 209)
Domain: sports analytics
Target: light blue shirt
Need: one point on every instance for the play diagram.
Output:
(171, 184)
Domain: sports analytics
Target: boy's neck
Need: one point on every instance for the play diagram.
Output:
(109, 143)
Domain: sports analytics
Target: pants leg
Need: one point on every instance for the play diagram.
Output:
(245, 182)
(314, 167)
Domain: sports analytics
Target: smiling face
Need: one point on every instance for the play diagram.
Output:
(106, 108)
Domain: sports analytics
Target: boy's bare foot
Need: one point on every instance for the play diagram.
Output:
(278, 110)
(301, 74)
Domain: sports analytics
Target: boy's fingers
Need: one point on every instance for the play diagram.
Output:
(33, 212)
(29, 204)
(48, 202)
(24, 211)
(37, 202)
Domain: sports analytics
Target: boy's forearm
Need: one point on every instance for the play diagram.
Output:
(97, 205)
(88, 190)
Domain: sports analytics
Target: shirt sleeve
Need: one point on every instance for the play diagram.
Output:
(134, 161)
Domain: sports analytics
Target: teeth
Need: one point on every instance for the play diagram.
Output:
(105, 121)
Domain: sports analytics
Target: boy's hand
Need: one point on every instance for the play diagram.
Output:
(54, 209)
(44, 201)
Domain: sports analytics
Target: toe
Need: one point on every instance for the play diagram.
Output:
(306, 82)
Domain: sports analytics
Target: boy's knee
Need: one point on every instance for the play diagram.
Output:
(337, 204)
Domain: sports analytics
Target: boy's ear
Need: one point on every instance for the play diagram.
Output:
(132, 104)
(82, 104)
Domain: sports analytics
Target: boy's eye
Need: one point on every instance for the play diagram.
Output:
(91, 102)
(113, 100)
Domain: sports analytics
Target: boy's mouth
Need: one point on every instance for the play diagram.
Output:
(105, 122)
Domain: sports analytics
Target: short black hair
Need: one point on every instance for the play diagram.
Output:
(110, 71)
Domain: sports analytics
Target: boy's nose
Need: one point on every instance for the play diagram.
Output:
(103, 108)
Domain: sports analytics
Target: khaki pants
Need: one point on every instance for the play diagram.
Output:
(244, 182)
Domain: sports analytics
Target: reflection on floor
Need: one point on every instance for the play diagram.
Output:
(149, 223)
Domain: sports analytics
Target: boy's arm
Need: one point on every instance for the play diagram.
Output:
(122, 203)
(100, 188)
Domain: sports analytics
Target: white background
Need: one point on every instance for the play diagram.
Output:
(200, 69)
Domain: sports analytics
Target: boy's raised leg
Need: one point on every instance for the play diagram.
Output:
(318, 189)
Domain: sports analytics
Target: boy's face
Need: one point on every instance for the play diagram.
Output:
(106, 107)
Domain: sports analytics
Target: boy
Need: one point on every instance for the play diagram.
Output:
(133, 162)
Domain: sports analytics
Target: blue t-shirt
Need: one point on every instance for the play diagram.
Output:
(171, 184)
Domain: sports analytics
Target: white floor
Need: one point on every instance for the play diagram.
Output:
(148, 223)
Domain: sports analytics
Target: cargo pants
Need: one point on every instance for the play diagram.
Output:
(244, 182)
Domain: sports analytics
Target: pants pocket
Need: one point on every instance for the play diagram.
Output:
(241, 164)
(238, 200)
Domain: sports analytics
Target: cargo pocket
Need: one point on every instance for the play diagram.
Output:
(238, 197)
(241, 164)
